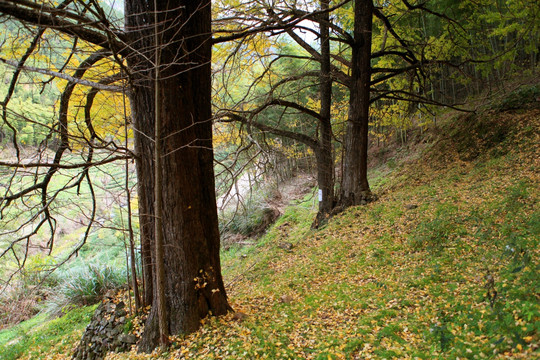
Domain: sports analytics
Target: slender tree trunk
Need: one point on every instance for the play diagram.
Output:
(355, 188)
(193, 283)
(133, 267)
(159, 263)
(325, 163)
(141, 105)
(141, 102)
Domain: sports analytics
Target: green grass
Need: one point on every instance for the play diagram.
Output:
(36, 337)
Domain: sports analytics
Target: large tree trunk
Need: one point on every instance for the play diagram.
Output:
(193, 283)
(325, 161)
(355, 186)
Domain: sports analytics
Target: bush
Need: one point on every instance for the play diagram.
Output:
(519, 98)
(84, 285)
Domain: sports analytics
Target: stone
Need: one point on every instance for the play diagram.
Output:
(105, 333)
(128, 338)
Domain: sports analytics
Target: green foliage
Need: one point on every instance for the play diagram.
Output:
(29, 112)
(128, 326)
(37, 269)
(519, 98)
(84, 285)
(248, 217)
(437, 232)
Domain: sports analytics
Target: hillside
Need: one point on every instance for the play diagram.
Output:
(443, 266)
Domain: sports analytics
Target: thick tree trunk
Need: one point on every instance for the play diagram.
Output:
(325, 163)
(193, 283)
(355, 187)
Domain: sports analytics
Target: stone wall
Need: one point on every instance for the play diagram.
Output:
(105, 332)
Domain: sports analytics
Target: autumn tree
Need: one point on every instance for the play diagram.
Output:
(193, 284)
(287, 101)
(413, 41)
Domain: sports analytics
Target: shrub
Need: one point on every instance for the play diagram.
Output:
(84, 285)
(519, 98)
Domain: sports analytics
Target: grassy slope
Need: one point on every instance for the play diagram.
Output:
(386, 281)
(39, 336)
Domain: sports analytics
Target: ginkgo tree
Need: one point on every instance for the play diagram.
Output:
(159, 56)
(398, 55)
(192, 283)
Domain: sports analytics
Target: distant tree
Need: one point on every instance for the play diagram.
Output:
(283, 100)
(415, 40)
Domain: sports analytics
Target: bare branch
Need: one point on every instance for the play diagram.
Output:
(64, 76)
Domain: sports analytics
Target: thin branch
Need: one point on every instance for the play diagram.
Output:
(64, 76)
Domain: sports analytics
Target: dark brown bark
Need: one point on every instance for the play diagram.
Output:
(355, 187)
(160, 301)
(142, 104)
(325, 163)
(193, 283)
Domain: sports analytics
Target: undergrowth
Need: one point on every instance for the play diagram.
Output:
(84, 285)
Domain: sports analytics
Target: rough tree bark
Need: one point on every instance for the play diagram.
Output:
(323, 154)
(355, 187)
(193, 283)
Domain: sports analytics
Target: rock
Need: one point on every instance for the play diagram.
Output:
(127, 338)
(105, 333)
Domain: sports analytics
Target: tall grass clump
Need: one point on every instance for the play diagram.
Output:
(17, 304)
(84, 285)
